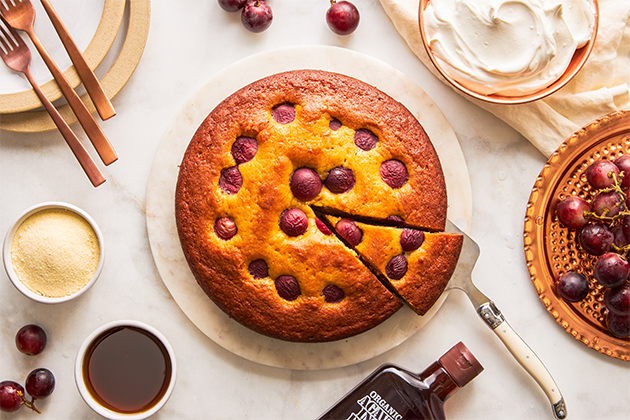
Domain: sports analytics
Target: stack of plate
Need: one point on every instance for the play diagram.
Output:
(111, 35)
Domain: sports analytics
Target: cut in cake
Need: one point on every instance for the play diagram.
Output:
(251, 176)
(414, 264)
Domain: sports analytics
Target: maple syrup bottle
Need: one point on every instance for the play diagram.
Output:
(393, 393)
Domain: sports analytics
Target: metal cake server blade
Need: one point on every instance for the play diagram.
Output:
(492, 316)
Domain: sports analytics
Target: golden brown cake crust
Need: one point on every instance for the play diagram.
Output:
(313, 258)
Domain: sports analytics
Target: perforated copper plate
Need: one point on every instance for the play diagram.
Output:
(551, 249)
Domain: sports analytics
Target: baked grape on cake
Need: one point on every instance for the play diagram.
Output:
(256, 168)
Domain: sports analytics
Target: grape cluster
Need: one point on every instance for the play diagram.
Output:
(604, 232)
(40, 383)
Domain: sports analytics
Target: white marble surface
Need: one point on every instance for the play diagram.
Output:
(189, 42)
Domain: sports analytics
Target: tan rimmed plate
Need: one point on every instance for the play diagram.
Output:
(577, 62)
(550, 248)
(115, 79)
(113, 11)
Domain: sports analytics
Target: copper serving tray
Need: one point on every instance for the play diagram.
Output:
(551, 249)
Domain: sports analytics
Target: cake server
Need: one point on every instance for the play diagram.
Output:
(492, 316)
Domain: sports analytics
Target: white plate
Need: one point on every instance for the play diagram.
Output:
(162, 230)
(93, 26)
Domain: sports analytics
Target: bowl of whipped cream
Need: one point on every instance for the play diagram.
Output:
(508, 51)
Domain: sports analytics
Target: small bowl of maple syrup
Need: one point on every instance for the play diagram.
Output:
(125, 370)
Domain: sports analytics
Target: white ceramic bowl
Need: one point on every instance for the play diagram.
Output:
(8, 242)
(85, 393)
(579, 59)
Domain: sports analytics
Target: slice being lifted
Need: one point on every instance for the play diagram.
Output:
(413, 264)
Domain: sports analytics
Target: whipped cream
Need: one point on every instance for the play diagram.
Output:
(507, 47)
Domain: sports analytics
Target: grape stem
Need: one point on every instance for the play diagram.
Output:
(614, 188)
(30, 404)
(624, 251)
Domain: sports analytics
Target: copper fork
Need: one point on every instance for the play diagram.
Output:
(20, 14)
(16, 55)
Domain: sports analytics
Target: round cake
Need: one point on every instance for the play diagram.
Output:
(259, 167)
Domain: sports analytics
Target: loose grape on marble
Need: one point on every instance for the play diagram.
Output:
(31, 339)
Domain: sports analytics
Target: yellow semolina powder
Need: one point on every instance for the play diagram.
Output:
(55, 252)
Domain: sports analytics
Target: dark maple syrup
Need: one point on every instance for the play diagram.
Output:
(393, 393)
(127, 370)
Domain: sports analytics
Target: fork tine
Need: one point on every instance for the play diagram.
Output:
(5, 38)
(15, 52)
(11, 35)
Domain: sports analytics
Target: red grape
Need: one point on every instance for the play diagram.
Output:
(600, 174)
(323, 228)
(572, 212)
(340, 180)
(305, 184)
(287, 287)
(40, 383)
(607, 204)
(232, 5)
(293, 222)
(411, 239)
(31, 339)
(617, 300)
(342, 17)
(256, 16)
(244, 149)
(619, 325)
(572, 286)
(11, 396)
(225, 228)
(596, 239)
(396, 268)
(623, 163)
(611, 270)
(333, 293)
(621, 239)
(348, 230)
(625, 225)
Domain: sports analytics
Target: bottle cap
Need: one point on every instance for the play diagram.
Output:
(460, 364)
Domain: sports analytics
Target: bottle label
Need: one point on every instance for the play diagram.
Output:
(374, 407)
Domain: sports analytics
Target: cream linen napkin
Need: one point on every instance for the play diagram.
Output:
(601, 87)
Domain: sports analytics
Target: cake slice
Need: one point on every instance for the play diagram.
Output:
(413, 264)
